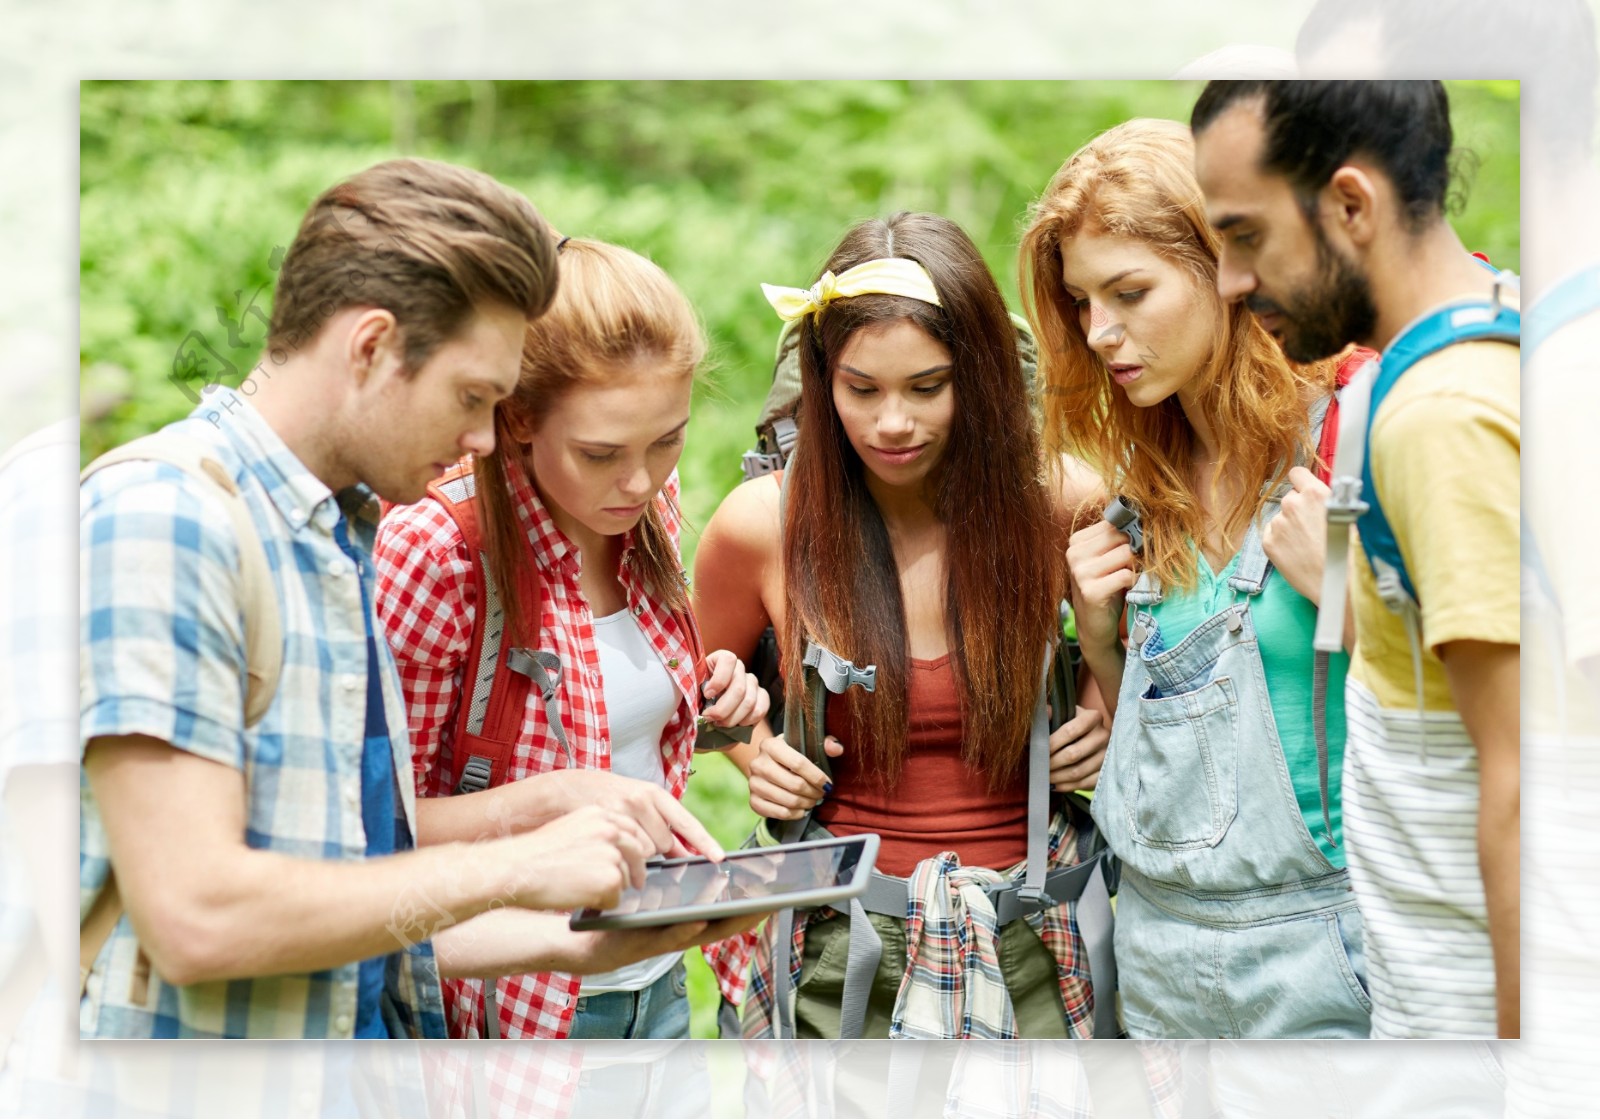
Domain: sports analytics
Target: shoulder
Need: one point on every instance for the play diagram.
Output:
(420, 530)
(1077, 492)
(154, 506)
(747, 523)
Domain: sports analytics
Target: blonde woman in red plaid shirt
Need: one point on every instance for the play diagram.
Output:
(583, 486)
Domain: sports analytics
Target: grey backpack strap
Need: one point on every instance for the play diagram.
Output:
(864, 951)
(543, 668)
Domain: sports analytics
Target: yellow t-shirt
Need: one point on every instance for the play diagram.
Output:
(1446, 461)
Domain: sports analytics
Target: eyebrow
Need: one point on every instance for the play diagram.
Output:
(929, 372)
(618, 446)
(1227, 221)
(1106, 283)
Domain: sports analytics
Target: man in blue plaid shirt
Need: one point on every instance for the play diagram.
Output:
(269, 874)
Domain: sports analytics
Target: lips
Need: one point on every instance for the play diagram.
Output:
(626, 511)
(899, 456)
(1124, 375)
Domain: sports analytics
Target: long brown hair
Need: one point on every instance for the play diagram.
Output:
(613, 308)
(1137, 180)
(1004, 553)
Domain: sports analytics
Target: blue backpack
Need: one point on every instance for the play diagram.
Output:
(1474, 321)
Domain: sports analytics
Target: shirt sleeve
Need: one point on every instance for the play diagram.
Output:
(426, 606)
(1449, 477)
(161, 625)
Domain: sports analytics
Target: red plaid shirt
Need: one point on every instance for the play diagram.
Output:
(426, 603)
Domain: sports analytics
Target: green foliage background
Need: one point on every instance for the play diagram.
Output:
(187, 187)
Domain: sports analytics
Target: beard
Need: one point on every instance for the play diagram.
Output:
(1322, 316)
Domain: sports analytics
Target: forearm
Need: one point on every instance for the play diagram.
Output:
(468, 818)
(255, 913)
(505, 942)
(1485, 683)
(1499, 860)
(1106, 664)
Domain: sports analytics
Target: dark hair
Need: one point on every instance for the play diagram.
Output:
(430, 242)
(1312, 128)
(1553, 39)
(1004, 565)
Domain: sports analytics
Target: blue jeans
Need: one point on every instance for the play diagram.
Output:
(659, 1011)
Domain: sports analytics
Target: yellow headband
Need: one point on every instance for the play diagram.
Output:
(890, 276)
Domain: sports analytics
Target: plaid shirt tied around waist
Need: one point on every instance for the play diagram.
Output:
(952, 987)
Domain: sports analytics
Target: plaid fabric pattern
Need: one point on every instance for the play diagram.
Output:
(426, 603)
(161, 653)
(952, 987)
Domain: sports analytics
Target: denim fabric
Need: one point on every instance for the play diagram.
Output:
(1231, 923)
(658, 1011)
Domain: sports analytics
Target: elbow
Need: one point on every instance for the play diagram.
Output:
(187, 945)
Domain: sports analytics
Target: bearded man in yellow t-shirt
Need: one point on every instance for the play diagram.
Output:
(1329, 198)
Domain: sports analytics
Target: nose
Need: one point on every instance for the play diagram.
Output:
(1106, 338)
(635, 484)
(895, 420)
(480, 440)
(1234, 282)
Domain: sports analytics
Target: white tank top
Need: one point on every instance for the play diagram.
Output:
(640, 698)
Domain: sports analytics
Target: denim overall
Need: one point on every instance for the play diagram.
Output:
(1231, 923)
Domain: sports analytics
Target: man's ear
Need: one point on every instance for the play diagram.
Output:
(1350, 204)
(374, 346)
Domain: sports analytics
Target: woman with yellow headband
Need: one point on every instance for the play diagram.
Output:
(912, 548)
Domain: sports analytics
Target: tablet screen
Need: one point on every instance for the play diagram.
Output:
(750, 876)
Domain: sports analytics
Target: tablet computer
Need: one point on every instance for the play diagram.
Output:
(747, 881)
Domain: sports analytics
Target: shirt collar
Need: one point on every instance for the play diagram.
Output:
(299, 496)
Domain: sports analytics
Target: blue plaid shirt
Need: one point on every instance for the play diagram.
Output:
(162, 654)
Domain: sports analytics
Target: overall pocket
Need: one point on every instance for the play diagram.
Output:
(1185, 778)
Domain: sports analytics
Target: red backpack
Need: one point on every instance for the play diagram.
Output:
(497, 676)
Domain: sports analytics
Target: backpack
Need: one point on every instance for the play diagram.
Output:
(499, 676)
(263, 633)
(1354, 498)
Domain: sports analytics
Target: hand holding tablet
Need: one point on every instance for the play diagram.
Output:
(749, 881)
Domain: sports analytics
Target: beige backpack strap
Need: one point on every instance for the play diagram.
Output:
(263, 636)
(95, 929)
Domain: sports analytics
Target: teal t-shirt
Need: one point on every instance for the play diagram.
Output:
(1285, 622)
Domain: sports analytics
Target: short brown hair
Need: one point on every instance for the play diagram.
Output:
(430, 242)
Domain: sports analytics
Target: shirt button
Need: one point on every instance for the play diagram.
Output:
(342, 1024)
(594, 677)
(338, 567)
(297, 517)
(352, 793)
(350, 683)
(672, 662)
(666, 750)
(638, 610)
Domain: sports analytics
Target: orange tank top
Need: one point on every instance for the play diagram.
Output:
(940, 803)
